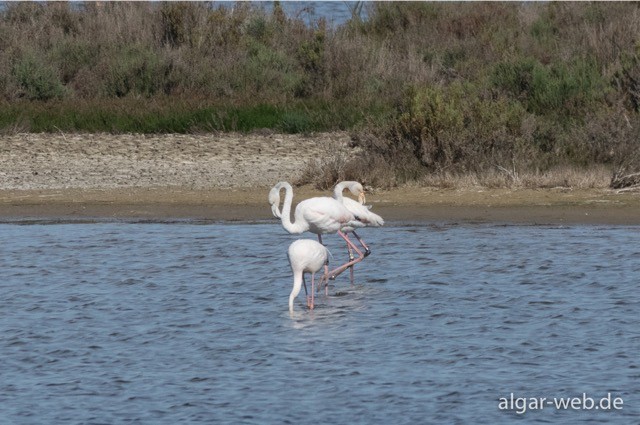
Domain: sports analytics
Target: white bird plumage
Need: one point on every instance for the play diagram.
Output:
(319, 215)
(357, 208)
(306, 256)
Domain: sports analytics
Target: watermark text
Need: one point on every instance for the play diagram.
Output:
(585, 402)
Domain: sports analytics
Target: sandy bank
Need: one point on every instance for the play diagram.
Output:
(227, 177)
(404, 205)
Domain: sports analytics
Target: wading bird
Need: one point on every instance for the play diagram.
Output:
(365, 216)
(306, 255)
(319, 215)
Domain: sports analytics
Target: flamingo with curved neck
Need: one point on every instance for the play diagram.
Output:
(319, 215)
(367, 218)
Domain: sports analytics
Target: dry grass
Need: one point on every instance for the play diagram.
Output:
(597, 177)
(505, 94)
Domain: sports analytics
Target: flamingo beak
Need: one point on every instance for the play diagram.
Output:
(361, 198)
(275, 211)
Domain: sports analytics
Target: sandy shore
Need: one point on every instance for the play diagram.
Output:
(227, 177)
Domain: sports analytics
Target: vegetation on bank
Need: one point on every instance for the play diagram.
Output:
(428, 90)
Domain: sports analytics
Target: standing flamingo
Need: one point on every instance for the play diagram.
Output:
(365, 216)
(306, 255)
(320, 215)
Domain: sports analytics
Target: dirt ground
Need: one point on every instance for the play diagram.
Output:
(227, 177)
(103, 161)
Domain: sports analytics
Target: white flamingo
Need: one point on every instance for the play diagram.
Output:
(319, 215)
(363, 212)
(306, 255)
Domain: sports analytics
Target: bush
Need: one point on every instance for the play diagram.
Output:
(134, 70)
(73, 56)
(37, 79)
(457, 128)
(550, 90)
(427, 88)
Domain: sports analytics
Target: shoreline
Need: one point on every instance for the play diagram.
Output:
(401, 205)
(227, 176)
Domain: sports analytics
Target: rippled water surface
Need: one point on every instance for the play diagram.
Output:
(188, 323)
(334, 12)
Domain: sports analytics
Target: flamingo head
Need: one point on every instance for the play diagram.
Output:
(356, 189)
(274, 201)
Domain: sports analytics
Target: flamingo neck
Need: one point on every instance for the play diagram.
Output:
(289, 226)
(337, 191)
(297, 284)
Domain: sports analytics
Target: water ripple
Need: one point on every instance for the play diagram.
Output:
(188, 323)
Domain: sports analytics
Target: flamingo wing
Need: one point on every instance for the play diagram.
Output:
(324, 214)
(363, 213)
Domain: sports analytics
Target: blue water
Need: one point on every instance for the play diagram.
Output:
(189, 323)
(333, 12)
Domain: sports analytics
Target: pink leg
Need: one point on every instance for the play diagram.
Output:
(325, 278)
(351, 258)
(351, 274)
(334, 273)
(313, 291)
(367, 251)
(306, 293)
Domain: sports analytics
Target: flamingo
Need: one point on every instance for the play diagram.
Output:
(319, 215)
(306, 255)
(365, 216)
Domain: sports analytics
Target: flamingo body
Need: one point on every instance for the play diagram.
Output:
(305, 256)
(365, 218)
(323, 216)
(357, 208)
(320, 215)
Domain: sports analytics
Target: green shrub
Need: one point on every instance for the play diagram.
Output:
(457, 127)
(136, 70)
(37, 78)
(295, 122)
(559, 89)
(310, 55)
(73, 55)
(544, 29)
(268, 71)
